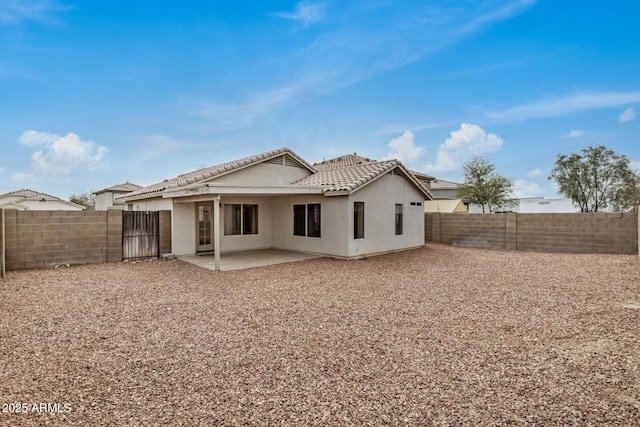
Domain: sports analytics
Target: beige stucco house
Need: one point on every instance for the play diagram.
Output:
(30, 200)
(341, 207)
(107, 198)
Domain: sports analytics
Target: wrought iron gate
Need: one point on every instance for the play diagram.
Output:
(140, 235)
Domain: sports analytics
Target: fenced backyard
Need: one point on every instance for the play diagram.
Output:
(440, 335)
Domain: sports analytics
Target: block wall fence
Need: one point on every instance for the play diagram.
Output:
(593, 232)
(38, 239)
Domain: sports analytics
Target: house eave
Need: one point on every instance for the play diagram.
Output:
(211, 189)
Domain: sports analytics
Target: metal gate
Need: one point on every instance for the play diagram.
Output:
(140, 235)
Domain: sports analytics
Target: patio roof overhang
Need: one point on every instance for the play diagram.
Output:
(215, 190)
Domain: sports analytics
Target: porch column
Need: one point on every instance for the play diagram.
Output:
(216, 232)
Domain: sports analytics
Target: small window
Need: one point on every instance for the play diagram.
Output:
(358, 220)
(249, 219)
(299, 220)
(399, 215)
(313, 220)
(306, 220)
(240, 219)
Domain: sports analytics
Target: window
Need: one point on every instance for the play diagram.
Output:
(399, 219)
(299, 220)
(240, 219)
(306, 220)
(313, 220)
(358, 220)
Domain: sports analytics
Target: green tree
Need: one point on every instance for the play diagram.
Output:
(596, 178)
(484, 186)
(88, 200)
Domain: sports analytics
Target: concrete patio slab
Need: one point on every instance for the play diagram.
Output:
(246, 259)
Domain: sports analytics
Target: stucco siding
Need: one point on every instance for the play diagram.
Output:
(263, 174)
(334, 237)
(262, 240)
(380, 198)
(183, 228)
(154, 204)
(49, 205)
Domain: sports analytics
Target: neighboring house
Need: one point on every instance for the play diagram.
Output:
(535, 205)
(344, 207)
(444, 189)
(106, 198)
(29, 200)
(444, 205)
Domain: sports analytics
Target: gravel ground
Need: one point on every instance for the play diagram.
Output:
(434, 336)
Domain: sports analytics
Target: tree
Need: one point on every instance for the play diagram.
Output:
(88, 200)
(484, 186)
(596, 179)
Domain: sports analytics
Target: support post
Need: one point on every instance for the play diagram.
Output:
(216, 232)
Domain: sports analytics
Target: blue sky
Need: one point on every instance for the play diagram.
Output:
(96, 93)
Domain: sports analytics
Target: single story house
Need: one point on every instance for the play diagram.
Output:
(341, 208)
(30, 200)
(107, 198)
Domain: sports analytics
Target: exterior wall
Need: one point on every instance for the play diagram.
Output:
(36, 239)
(49, 205)
(380, 198)
(263, 173)
(541, 205)
(183, 228)
(598, 232)
(107, 200)
(153, 204)
(262, 240)
(104, 201)
(334, 225)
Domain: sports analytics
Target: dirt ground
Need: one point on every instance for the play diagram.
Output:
(434, 336)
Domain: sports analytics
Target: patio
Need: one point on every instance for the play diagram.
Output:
(246, 259)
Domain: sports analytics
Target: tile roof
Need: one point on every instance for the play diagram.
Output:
(214, 171)
(27, 194)
(439, 184)
(342, 161)
(127, 187)
(347, 179)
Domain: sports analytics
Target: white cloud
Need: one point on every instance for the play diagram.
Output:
(306, 13)
(464, 143)
(552, 107)
(627, 115)
(575, 134)
(535, 173)
(404, 149)
(32, 137)
(523, 189)
(62, 154)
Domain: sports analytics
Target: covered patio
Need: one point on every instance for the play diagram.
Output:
(246, 259)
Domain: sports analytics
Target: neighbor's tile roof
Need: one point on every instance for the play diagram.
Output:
(342, 161)
(439, 184)
(127, 187)
(27, 194)
(213, 171)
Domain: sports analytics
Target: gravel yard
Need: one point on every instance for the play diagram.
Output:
(434, 336)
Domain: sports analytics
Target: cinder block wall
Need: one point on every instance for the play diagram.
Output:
(485, 231)
(37, 239)
(598, 232)
(594, 232)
